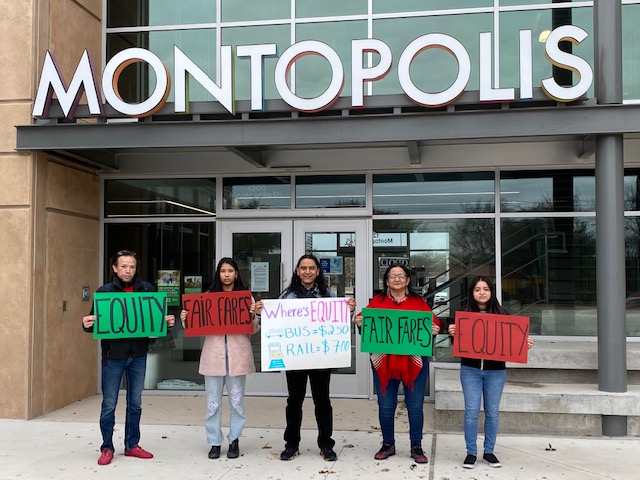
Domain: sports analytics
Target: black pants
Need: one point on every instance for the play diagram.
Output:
(297, 386)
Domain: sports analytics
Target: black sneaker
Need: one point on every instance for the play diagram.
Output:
(289, 453)
(418, 454)
(469, 461)
(328, 454)
(385, 452)
(492, 460)
(234, 449)
(214, 452)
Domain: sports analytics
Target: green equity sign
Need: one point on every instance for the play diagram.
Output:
(129, 315)
(403, 332)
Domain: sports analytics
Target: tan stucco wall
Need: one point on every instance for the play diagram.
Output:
(49, 220)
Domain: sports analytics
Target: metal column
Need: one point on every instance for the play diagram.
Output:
(610, 252)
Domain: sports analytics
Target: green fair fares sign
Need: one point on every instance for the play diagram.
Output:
(129, 315)
(402, 332)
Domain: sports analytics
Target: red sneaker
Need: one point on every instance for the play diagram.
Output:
(138, 452)
(105, 457)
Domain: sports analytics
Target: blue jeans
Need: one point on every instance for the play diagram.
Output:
(413, 399)
(111, 378)
(476, 384)
(213, 418)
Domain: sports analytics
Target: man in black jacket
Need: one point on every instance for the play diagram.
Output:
(119, 356)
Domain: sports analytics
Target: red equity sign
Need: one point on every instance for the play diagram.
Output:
(219, 313)
(491, 337)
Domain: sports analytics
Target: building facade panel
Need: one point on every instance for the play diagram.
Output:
(16, 278)
(16, 54)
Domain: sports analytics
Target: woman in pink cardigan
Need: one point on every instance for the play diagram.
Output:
(226, 359)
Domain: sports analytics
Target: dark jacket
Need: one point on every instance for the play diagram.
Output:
(123, 348)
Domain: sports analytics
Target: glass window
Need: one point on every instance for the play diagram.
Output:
(560, 191)
(313, 72)
(549, 273)
(505, 3)
(433, 70)
(630, 52)
(330, 191)
(257, 193)
(160, 197)
(541, 22)
(246, 10)
(137, 80)
(187, 249)
(632, 259)
(278, 34)
(393, 6)
(632, 190)
(442, 255)
(140, 13)
(326, 8)
(433, 194)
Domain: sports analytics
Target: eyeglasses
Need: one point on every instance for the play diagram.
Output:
(397, 276)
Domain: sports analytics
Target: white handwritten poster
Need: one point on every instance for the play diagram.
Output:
(306, 333)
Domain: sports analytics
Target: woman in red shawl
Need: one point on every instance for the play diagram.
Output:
(391, 370)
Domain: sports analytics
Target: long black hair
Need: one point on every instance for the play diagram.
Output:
(493, 306)
(411, 292)
(296, 282)
(216, 285)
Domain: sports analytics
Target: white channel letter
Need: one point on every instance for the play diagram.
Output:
(51, 81)
(567, 61)
(526, 65)
(184, 66)
(443, 42)
(256, 53)
(289, 57)
(114, 69)
(487, 92)
(360, 74)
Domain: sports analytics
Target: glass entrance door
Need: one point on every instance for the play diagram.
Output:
(267, 252)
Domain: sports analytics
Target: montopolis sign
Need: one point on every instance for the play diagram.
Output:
(85, 80)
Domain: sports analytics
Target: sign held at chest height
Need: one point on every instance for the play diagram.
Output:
(218, 313)
(402, 332)
(306, 333)
(129, 315)
(491, 337)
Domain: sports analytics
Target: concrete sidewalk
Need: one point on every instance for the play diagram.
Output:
(65, 445)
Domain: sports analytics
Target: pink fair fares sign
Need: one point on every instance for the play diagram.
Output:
(491, 337)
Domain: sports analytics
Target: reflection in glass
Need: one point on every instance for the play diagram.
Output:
(330, 191)
(134, 13)
(256, 193)
(551, 191)
(549, 273)
(337, 254)
(313, 72)
(246, 10)
(330, 8)
(164, 197)
(188, 248)
(442, 256)
(433, 193)
(433, 70)
(630, 52)
(249, 250)
(234, 36)
(138, 80)
(393, 6)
